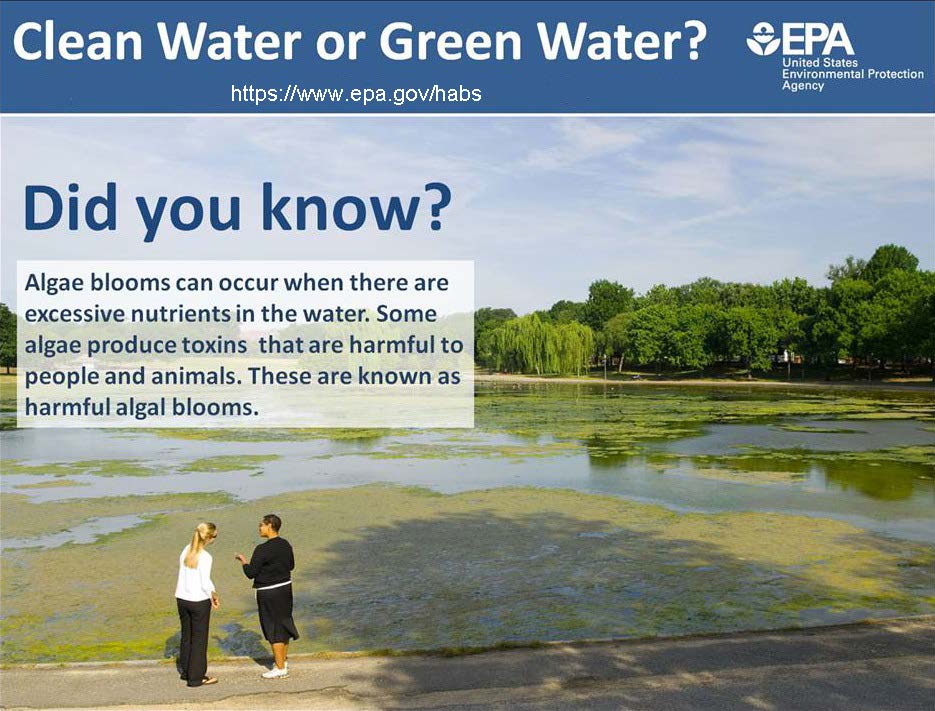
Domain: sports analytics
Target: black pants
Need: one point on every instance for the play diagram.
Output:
(193, 648)
(275, 608)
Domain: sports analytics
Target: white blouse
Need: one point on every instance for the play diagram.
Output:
(194, 584)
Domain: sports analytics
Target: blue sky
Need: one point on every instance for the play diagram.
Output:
(543, 206)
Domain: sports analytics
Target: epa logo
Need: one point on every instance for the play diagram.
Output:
(799, 38)
(764, 40)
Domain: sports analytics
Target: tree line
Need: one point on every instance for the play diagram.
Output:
(878, 312)
(874, 313)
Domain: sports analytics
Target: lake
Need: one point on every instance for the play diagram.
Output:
(554, 481)
(810, 462)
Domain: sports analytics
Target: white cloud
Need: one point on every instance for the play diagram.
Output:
(702, 171)
(580, 140)
(837, 155)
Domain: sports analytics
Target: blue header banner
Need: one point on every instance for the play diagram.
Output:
(467, 57)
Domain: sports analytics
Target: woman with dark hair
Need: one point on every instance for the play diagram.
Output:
(195, 596)
(270, 569)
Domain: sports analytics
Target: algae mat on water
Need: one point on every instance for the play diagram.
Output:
(20, 518)
(382, 567)
(616, 417)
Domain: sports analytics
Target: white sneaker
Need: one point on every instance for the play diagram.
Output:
(276, 673)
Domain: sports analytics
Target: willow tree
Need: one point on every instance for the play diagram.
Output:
(530, 345)
(575, 345)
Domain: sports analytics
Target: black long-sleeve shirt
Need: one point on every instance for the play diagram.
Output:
(271, 563)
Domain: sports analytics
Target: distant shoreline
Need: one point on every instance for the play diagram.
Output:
(704, 382)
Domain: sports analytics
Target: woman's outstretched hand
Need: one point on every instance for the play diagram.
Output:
(241, 558)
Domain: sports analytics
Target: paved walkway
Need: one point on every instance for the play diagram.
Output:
(883, 665)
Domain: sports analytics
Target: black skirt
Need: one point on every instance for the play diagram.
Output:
(275, 607)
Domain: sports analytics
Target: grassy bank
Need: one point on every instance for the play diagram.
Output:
(7, 393)
(727, 380)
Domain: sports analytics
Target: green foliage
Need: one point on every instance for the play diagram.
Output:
(852, 268)
(647, 334)
(882, 311)
(659, 294)
(564, 311)
(795, 295)
(828, 335)
(701, 291)
(614, 339)
(876, 310)
(606, 299)
(887, 329)
(750, 334)
(7, 337)
(486, 320)
(923, 319)
(531, 345)
(888, 258)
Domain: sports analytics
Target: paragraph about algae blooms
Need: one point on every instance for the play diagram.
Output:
(245, 344)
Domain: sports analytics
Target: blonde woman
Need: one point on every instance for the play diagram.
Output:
(195, 596)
